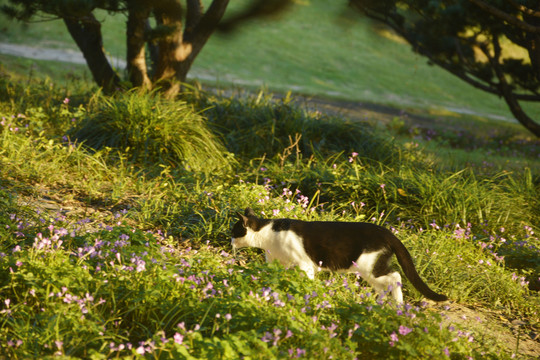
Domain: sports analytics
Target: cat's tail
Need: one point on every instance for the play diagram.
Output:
(406, 262)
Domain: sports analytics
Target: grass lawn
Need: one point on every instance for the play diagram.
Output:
(313, 50)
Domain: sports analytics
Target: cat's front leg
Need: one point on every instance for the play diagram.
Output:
(269, 257)
(309, 270)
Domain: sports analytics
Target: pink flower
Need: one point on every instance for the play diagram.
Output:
(403, 330)
(178, 338)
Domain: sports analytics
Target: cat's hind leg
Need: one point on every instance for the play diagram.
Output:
(383, 279)
(389, 282)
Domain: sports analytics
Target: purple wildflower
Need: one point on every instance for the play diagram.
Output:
(403, 330)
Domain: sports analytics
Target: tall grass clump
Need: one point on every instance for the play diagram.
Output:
(254, 126)
(152, 130)
(439, 197)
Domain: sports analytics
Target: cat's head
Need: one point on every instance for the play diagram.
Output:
(245, 222)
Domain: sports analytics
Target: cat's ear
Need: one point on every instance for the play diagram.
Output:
(243, 218)
(249, 212)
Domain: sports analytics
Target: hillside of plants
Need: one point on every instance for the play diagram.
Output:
(115, 218)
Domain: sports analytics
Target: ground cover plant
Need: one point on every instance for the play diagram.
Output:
(108, 255)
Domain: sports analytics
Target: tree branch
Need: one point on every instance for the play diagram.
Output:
(527, 11)
(196, 37)
(491, 88)
(506, 17)
(194, 14)
(257, 9)
(506, 90)
(208, 22)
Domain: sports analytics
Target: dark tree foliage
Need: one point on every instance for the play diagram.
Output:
(493, 45)
(182, 29)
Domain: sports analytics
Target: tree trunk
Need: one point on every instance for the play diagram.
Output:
(178, 50)
(87, 35)
(169, 13)
(135, 35)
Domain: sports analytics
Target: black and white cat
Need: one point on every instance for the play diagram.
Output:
(362, 248)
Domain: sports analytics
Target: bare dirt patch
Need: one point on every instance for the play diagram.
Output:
(513, 334)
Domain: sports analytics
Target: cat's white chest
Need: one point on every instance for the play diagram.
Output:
(285, 246)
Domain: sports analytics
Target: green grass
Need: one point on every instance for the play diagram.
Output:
(313, 49)
(134, 259)
(23, 68)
